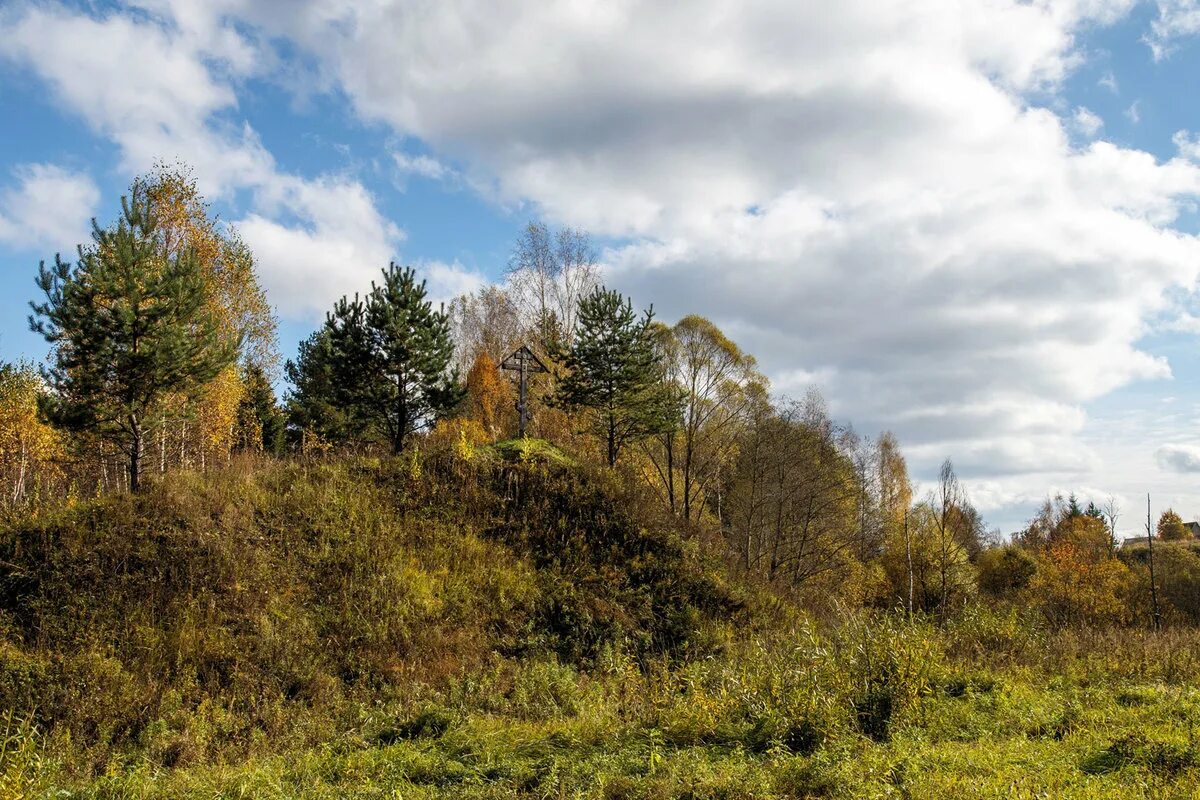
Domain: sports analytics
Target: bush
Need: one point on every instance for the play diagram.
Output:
(1004, 571)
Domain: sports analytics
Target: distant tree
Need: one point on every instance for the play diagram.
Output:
(957, 526)
(486, 321)
(615, 374)
(1077, 581)
(1171, 527)
(550, 273)
(128, 327)
(714, 378)
(260, 421)
(391, 367)
(895, 502)
(1073, 507)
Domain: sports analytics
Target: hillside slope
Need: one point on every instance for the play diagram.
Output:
(495, 625)
(209, 614)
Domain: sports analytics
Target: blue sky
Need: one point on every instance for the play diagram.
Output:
(971, 223)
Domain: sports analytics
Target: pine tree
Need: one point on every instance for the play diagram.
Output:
(313, 410)
(616, 374)
(128, 327)
(391, 358)
(260, 421)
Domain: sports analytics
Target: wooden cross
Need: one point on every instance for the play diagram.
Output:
(524, 361)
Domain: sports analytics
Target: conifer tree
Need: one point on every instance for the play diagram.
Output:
(128, 327)
(616, 374)
(391, 358)
(260, 422)
(312, 404)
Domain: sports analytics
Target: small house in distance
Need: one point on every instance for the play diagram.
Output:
(1193, 529)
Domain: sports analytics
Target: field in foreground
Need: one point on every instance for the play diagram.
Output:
(394, 629)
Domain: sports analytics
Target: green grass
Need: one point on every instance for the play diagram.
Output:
(528, 449)
(462, 628)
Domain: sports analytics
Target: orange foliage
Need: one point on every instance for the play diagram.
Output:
(1078, 583)
(489, 396)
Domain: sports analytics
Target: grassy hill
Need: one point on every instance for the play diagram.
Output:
(511, 624)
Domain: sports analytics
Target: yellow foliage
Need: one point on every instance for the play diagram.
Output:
(234, 296)
(1171, 527)
(1074, 584)
(216, 413)
(28, 446)
(465, 436)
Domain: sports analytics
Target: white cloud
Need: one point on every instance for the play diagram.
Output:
(1134, 112)
(1087, 122)
(47, 207)
(447, 281)
(1176, 19)
(162, 86)
(421, 165)
(1109, 81)
(1187, 145)
(1178, 458)
(864, 193)
(337, 243)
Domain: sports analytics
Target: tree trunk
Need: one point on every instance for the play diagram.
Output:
(401, 418)
(19, 483)
(135, 453)
(908, 558)
(670, 442)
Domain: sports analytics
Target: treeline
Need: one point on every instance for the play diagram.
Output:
(164, 355)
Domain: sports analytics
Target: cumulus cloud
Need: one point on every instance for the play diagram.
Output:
(335, 242)
(869, 195)
(1181, 458)
(47, 207)
(161, 85)
(860, 192)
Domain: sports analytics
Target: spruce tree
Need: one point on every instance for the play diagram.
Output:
(391, 358)
(260, 421)
(616, 374)
(128, 326)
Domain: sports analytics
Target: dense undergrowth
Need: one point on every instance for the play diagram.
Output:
(510, 624)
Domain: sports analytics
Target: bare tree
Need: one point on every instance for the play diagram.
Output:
(484, 321)
(1112, 511)
(793, 497)
(549, 273)
(957, 526)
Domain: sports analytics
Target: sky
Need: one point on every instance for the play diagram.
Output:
(970, 222)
